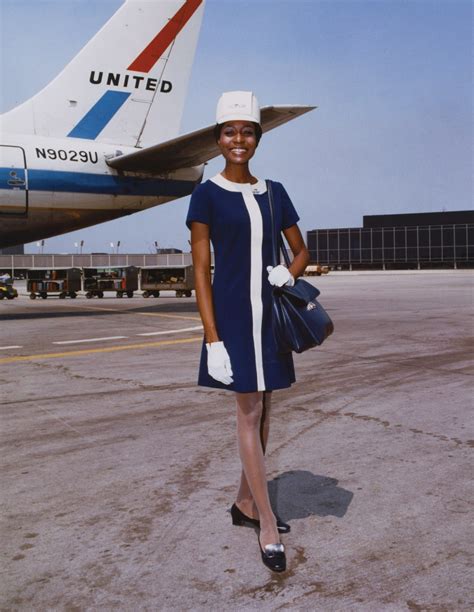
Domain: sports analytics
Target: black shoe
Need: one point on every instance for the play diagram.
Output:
(239, 518)
(273, 556)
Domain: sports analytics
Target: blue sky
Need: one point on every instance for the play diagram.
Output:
(392, 80)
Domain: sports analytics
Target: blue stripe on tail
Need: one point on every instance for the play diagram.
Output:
(92, 124)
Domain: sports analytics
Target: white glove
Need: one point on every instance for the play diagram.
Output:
(218, 363)
(279, 276)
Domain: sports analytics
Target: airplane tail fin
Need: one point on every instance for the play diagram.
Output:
(127, 86)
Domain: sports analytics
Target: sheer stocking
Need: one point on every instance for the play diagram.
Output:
(249, 425)
(244, 499)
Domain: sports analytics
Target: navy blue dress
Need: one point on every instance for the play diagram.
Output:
(239, 222)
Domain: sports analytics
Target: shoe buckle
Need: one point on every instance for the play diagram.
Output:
(274, 548)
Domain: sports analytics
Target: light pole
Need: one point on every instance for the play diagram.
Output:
(81, 244)
(118, 246)
(76, 244)
(112, 247)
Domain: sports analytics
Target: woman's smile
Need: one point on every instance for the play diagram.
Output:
(238, 141)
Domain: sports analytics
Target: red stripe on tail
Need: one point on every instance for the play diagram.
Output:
(152, 53)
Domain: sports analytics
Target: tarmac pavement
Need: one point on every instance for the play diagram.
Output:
(118, 471)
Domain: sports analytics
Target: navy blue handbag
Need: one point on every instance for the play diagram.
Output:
(299, 320)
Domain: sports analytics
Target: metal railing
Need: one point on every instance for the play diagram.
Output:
(14, 263)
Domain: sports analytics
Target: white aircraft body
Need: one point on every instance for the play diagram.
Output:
(101, 140)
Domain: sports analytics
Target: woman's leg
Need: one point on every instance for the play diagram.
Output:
(249, 414)
(244, 499)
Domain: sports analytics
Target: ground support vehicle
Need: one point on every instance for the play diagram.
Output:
(154, 279)
(316, 270)
(7, 290)
(63, 282)
(122, 280)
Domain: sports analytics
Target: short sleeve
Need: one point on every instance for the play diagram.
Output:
(199, 207)
(289, 216)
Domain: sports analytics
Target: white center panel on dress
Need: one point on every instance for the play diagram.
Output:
(256, 244)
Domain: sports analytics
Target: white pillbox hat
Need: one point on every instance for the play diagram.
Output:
(234, 105)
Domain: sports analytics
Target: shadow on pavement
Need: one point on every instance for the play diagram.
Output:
(299, 494)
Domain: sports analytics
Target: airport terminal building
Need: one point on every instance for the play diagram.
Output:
(19, 249)
(412, 240)
(393, 241)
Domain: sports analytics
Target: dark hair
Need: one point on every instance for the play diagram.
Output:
(218, 127)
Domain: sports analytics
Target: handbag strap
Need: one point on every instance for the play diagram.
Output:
(277, 239)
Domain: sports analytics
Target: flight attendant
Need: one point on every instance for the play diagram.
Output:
(239, 353)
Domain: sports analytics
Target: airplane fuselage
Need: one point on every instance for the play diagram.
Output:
(49, 186)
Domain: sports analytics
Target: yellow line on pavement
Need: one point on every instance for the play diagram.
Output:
(108, 349)
(98, 308)
(144, 314)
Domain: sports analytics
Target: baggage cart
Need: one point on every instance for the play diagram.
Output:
(63, 282)
(7, 290)
(123, 280)
(167, 278)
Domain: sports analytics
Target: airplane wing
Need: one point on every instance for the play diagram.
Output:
(196, 147)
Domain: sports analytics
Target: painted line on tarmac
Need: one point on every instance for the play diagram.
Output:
(159, 333)
(167, 316)
(109, 349)
(171, 331)
(98, 308)
(89, 340)
(5, 348)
